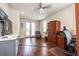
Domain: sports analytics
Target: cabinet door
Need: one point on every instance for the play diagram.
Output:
(57, 26)
(7, 48)
(53, 27)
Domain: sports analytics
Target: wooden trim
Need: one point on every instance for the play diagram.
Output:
(77, 25)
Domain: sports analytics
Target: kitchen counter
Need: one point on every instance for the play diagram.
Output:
(9, 45)
(8, 37)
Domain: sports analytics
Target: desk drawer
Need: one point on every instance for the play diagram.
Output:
(60, 42)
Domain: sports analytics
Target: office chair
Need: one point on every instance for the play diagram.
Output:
(38, 34)
(70, 45)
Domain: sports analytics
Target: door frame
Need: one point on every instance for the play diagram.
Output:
(77, 26)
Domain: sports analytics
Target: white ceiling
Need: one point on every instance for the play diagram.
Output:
(28, 10)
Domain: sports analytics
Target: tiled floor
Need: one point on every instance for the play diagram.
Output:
(34, 47)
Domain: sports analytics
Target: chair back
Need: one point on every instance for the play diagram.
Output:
(68, 36)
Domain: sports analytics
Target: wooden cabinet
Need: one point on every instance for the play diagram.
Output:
(53, 27)
(60, 41)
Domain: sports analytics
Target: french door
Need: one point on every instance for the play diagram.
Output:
(30, 29)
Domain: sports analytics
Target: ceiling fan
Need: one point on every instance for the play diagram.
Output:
(42, 6)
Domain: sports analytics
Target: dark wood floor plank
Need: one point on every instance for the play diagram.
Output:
(34, 47)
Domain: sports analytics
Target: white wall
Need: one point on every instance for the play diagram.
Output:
(66, 16)
(15, 18)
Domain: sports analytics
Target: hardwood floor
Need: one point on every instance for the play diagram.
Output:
(34, 47)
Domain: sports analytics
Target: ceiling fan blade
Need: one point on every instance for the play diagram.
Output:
(39, 7)
(36, 9)
(49, 6)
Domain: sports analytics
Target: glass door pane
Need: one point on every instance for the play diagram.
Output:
(27, 29)
(32, 28)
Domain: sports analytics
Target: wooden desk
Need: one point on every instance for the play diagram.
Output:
(56, 51)
(60, 41)
(74, 38)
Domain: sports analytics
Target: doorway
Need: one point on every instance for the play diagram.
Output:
(30, 29)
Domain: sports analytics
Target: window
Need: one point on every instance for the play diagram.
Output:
(44, 26)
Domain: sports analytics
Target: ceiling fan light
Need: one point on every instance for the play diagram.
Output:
(41, 11)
